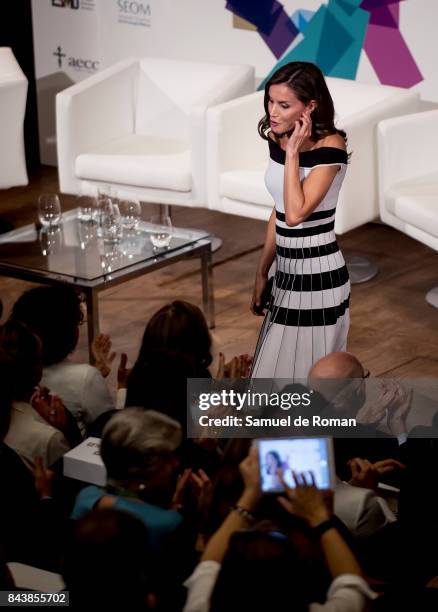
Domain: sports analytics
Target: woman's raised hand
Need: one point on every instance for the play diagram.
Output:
(301, 132)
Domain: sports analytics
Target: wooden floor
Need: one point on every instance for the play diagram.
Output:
(394, 332)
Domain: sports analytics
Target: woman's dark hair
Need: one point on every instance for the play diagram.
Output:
(20, 351)
(160, 383)
(308, 83)
(276, 456)
(180, 327)
(261, 571)
(108, 561)
(54, 314)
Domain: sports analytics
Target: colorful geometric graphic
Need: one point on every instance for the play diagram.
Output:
(271, 20)
(334, 36)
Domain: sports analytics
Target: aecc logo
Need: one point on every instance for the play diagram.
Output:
(76, 62)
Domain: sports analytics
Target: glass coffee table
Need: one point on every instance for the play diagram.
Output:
(72, 253)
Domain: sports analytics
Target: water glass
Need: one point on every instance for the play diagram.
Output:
(87, 232)
(49, 209)
(131, 213)
(111, 223)
(87, 207)
(50, 239)
(160, 231)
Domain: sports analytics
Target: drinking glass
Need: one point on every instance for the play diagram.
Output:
(87, 207)
(105, 195)
(131, 213)
(87, 232)
(111, 223)
(50, 239)
(160, 231)
(49, 209)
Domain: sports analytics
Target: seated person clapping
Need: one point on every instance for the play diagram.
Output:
(38, 422)
(138, 450)
(180, 328)
(55, 314)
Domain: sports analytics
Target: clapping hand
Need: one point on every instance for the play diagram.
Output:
(367, 475)
(122, 372)
(200, 486)
(238, 367)
(392, 397)
(50, 408)
(103, 357)
(43, 478)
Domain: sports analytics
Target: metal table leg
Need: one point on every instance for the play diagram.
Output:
(207, 286)
(92, 299)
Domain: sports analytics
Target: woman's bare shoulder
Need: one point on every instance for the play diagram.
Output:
(333, 140)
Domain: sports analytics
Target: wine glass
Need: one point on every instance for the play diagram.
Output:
(106, 195)
(160, 231)
(49, 209)
(111, 223)
(131, 213)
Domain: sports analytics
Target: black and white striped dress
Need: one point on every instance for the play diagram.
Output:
(308, 316)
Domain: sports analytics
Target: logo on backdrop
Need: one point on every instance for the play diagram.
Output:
(134, 12)
(74, 4)
(76, 63)
(87, 5)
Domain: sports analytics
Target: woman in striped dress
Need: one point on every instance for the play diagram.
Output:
(308, 313)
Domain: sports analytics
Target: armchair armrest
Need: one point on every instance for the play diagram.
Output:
(361, 182)
(238, 81)
(406, 148)
(92, 112)
(13, 93)
(233, 141)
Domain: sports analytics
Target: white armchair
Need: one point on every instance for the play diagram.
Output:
(408, 178)
(13, 94)
(238, 156)
(140, 125)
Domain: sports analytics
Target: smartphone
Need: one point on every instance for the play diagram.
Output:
(295, 455)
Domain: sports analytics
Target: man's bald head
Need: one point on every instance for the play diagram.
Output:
(331, 377)
(337, 366)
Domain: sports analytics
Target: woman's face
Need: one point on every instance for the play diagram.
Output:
(284, 108)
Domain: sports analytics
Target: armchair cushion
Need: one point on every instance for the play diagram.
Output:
(415, 202)
(139, 161)
(246, 186)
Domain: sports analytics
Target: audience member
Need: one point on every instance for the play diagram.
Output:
(28, 518)
(109, 563)
(138, 450)
(181, 328)
(55, 314)
(36, 419)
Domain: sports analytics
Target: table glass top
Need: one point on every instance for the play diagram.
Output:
(74, 250)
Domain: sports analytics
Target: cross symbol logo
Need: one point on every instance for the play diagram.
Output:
(58, 53)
